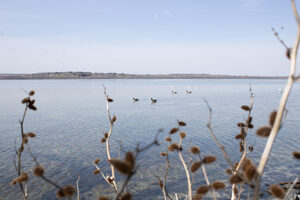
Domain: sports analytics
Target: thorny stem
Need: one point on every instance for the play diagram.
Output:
(281, 107)
(186, 171)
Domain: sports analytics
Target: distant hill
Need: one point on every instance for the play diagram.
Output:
(91, 75)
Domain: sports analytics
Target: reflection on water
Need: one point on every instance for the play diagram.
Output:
(71, 119)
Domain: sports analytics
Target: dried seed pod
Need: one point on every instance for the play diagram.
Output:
(197, 197)
(25, 100)
(182, 135)
(250, 148)
(96, 161)
(60, 194)
(249, 120)
(243, 133)
(122, 166)
(160, 183)
(39, 171)
(209, 159)
(272, 118)
(296, 154)
(96, 171)
(195, 166)
(69, 190)
(13, 182)
(250, 126)
(110, 99)
(173, 130)
(103, 198)
(247, 162)
(241, 124)
(129, 157)
(126, 196)
(168, 139)
(235, 190)
(277, 191)
(32, 135)
(288, 53)
(105, 135)
(218, 185)
(203, 189)
(264, 131)
(181, 123)
(241, 146)
(22, 177)
(235, 179)
(228, 171)
(103, 140)
(195, 150)
(25, 140)
(173, 147)
(245, 107)
(114, 119)
(110, 179)
(31, 93)
(163, 154)
(250, 172)
(238, 136)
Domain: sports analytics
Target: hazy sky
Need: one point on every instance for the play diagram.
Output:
(145, 36)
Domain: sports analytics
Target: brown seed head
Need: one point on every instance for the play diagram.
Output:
(26, 100)
(209, 159)
(195, 150)
(277, 191)
(163, 154)
(238, 136)
(247, 162)
(129, 157)
(110, 180)
(126, 196)
(203, 189)
(22, 177)
(244, 107)
(181, 123)
(197, 197)
(32, 92)
(96, 171)
(160, 183)
(264, 131)
(218, 185)
(32, 107)
(250, 172)
(228, 171)
(114, 119)
(13, 182)
(241, 124)
(173, 130)
(103, 140)
(110, 100)
(182, 135)
(272, 118)
(250, 148)
(60, 194)
(103, 198)
(296, 154)
(105, 135)
(96, 161)
(250, 126)
(168, 139)
(235, 179)
(123, 167)
(235, 190)
(39, 171)
(173, 147)
(25, 140)
(243, 133)
(288, 53)
(32, 135)
(69, 190)
(249, 120)
(195, 166)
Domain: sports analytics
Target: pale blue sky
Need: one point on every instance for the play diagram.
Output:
(145, 36)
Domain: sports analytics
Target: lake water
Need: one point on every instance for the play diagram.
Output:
(71, 119)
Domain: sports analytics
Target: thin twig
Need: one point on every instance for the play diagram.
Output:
(77, 187)
(281, 107)
(288, 193)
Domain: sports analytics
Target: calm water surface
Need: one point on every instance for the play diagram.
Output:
(71, 119)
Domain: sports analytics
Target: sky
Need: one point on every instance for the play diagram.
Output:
(231, 37)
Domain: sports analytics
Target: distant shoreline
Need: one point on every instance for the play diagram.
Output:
(90, 75)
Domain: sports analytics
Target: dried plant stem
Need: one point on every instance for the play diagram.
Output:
(107, 140)
(220, 146)
(77, 187)
(207, 181)
(288, 193)
(186, 171)
(281, 107)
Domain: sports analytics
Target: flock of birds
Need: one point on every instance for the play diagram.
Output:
(155, 100)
